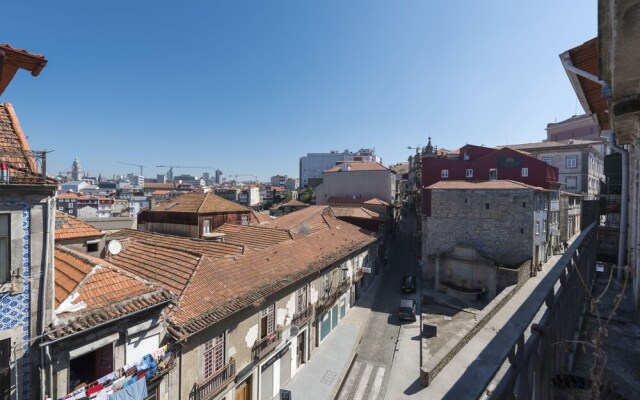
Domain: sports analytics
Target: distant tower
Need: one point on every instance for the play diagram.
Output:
(218, 177)
(76, 171)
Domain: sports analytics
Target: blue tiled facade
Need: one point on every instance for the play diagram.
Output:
(15, 309)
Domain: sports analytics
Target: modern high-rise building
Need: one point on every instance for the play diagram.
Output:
(218, 177)
(314, 164)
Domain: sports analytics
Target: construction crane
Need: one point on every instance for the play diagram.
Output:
(135, 165)
(171, 167)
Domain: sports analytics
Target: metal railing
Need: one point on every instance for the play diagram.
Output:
(550, 345)
(20, 175)
(266, 344)
(302, 316)
(209, 388)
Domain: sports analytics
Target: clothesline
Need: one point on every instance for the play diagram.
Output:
(128, 382)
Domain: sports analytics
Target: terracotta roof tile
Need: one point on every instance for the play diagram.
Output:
(349, 200)
(202, 203)
(221, 286)
(16, 59)
(259, 218)
(15, 152)
(356, 212)
(305, 221)
(97, 291)
(255, 237)
(68, 227)
(359, 166)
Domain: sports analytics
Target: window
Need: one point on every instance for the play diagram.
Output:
(213, 356)
(544, 226)
(547, 160)
(572, 161)
(537, 227)
(206, 226)
(525, 171)
(572, 182)
(524, 205)
(302, 298)
(5, 250)
(469, 173)
(444, 173)
(5, 369)
(92, 245)
(325, 283)
(343, 273)
(267, 321)
(61, 208)
(486, 206)
(493, 174)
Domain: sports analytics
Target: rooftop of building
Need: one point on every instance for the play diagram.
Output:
(201, 203)
(498, 184)
(355, 166)
(68, 227)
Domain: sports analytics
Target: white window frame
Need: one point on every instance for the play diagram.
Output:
(547, 160)
(213, 357)
(493, 174)
(537, 227)
(444, 173)
(469, 173)
(525, 172)
(573, 163)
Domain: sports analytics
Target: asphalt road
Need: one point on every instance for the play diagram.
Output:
(387, 364)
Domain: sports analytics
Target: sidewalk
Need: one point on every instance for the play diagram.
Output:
(321, 377)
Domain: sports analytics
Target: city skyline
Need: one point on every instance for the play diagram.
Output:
(250, 88)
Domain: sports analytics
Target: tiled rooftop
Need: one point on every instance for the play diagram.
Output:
(359, 166)
(356, 212)
(14, 150)
(100, 291)
(349, 200)
(226, 285)
(259, 218)
(202, 203)
(68, 227)
(305, 221)
(19, 59)
(208, 247)
(552, 145)
(254, 237)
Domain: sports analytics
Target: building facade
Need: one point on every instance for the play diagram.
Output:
(364, 180)
(314, 164)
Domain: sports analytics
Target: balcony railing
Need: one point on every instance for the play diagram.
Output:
(266, 344)
(210, 387)
(328, 299)
(302, 317)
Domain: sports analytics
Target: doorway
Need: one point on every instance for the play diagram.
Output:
(300, 349)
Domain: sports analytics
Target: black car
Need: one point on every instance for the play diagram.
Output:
(408, 284)
(407, 310)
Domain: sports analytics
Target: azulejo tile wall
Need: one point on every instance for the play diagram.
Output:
(15, 309)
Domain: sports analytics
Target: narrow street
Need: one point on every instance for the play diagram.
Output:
(388, 356)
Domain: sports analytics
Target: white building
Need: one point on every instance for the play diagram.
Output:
(314, 164)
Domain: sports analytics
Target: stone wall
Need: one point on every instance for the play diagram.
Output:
(497, 223)
(510, 276)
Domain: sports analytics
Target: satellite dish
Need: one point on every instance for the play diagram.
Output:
(114, 247)
(294, 330)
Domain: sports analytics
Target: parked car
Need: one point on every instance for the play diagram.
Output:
(408, 284)
(407, 310)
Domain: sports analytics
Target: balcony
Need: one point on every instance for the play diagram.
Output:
(209, 388)
(266, 344)
(328, 299)
(302, 317)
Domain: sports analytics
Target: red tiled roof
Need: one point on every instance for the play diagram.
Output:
(483, 185)
(14, 150)
(349, 200)
(208, 247)
(359, 166)
(16, 59)
(259, 218)
(165, 186)
(221, 287)
(98, 290)
(255, 237)
(356, 212)
(68, 227)
(305, 221)
(201, 203)
(70, 195)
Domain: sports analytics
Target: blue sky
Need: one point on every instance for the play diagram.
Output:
(250, 86)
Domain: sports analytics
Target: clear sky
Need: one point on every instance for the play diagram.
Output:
(250, 86)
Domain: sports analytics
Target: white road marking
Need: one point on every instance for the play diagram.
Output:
(377, 383)
(362, 386)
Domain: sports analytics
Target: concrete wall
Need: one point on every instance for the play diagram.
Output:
(509, 276)
(503, 232)
(366, 184)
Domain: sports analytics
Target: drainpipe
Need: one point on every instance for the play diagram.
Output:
(45, 352)
(624, 203)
